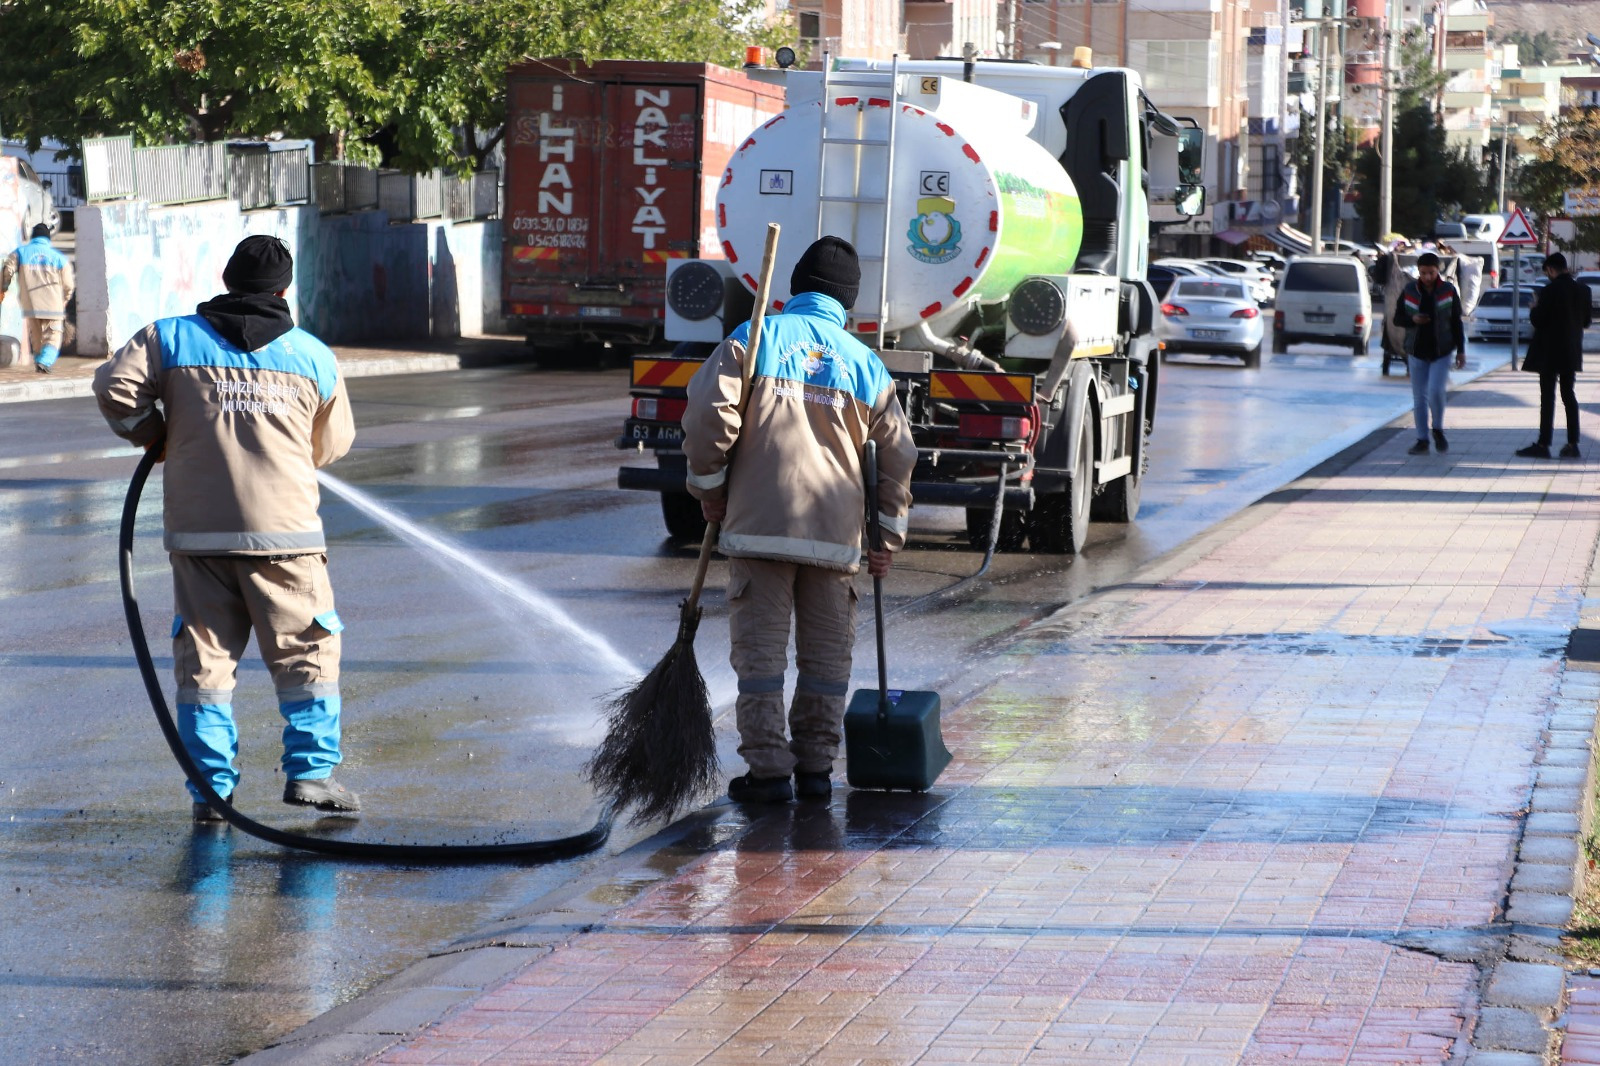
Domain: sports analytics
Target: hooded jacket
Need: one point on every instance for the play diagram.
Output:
(45, 278)
(794, 483)
(245, 429)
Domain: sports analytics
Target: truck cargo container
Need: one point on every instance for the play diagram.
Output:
(611, 171)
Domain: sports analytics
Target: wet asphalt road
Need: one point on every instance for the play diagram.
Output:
(128, 937)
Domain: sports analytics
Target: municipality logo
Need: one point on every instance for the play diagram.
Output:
(935, 234)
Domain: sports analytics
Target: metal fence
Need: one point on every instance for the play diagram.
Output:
(181, 173)
(264, 177)
(260, 176)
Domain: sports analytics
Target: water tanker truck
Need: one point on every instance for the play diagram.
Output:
(1002, 215)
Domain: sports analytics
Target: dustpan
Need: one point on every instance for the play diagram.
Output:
(891, 736)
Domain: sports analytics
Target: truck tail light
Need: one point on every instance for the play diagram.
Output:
(1245, 312)
(996, 427)
(1277, 320)
(658, 409)
(1174, 310)
(1361, 319)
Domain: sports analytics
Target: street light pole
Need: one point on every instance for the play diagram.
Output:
(1322, 136)
(1500, 202)
(1391, 30)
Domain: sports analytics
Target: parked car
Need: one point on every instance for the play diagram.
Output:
(1161, 279)
(1491, 319)
(1272, 260)
(1591, 278)
(1323, 299)
(38, 202)
(1211, 315)
(1262, 284)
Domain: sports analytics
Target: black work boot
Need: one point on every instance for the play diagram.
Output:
(813, 784)
(325, 794)
(1569, 450)
(205, 814)
(747, 788)
(1535, 451)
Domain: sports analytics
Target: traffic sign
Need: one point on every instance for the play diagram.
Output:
(1518, 234)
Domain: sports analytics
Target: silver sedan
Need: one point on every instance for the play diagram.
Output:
(1211, 315)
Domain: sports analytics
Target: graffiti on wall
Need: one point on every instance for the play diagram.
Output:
(358, 279)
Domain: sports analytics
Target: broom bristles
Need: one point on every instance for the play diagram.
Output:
(660, 748)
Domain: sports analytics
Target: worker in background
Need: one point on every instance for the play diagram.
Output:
(792, 506)
(250, 407)
(45, 278)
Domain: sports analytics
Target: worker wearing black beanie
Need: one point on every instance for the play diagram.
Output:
(829, 267)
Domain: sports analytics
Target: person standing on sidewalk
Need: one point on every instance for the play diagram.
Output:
(792, 504)
(250, 407)
(1429, 310)
(1560, 314)
(46, 286)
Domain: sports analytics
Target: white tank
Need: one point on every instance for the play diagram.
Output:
(976, 205)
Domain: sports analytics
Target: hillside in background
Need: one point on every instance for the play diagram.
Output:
(1567, 20)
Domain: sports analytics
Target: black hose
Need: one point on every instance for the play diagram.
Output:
(527, 851)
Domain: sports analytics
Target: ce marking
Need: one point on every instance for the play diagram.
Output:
(934, 183)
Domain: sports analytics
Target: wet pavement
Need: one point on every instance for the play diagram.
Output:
(1302, 790)
(469, 723)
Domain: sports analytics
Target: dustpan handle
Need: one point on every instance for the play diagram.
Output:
(875, 529)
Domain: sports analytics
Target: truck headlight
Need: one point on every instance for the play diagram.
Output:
(694, 291)
(1038, 306)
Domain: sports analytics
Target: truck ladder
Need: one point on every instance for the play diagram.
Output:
(853, 139)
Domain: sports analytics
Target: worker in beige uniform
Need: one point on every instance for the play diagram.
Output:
(44, 277)
(249, 407)
(792, 506)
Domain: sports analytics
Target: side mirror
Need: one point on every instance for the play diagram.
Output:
(45, 184)
(1190, 200)
(1191, 155)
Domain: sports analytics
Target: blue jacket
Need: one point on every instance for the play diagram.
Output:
(45, 278)
(817, 395)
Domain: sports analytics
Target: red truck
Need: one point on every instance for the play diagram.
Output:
(611, 171)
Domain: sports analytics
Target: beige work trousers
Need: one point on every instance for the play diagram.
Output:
(44, 333)
(762, 597)
(289, 604)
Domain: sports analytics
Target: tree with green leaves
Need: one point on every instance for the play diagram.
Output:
(1567, 156)
(426, 75)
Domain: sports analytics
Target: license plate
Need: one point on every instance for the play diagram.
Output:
(1208, 334)
(654, 432)
(599, 312)
(1313, 316)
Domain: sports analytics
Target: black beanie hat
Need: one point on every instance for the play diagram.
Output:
(259, 264)
(829, 267)
(40, 229)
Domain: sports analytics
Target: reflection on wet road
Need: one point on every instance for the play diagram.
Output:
(131, 937)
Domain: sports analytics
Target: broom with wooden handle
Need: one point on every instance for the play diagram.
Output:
(660, 748)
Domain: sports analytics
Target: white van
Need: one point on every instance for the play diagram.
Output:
(1323, 299)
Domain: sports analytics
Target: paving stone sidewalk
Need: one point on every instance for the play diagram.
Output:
(1308, 790)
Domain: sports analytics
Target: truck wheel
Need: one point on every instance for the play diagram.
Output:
(1060, 521)
(681, 512)
(1280, 346)
(1013, 529)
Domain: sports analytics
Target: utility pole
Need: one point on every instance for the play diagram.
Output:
(1391, 33)
(1500, 201)
(1322, 135)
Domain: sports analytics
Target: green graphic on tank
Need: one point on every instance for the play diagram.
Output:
(1041, 230)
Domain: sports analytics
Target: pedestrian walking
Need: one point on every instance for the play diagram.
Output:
(252, 406)
(784, 477)
(1560, 314)
(45, 282)
(1429, 310)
